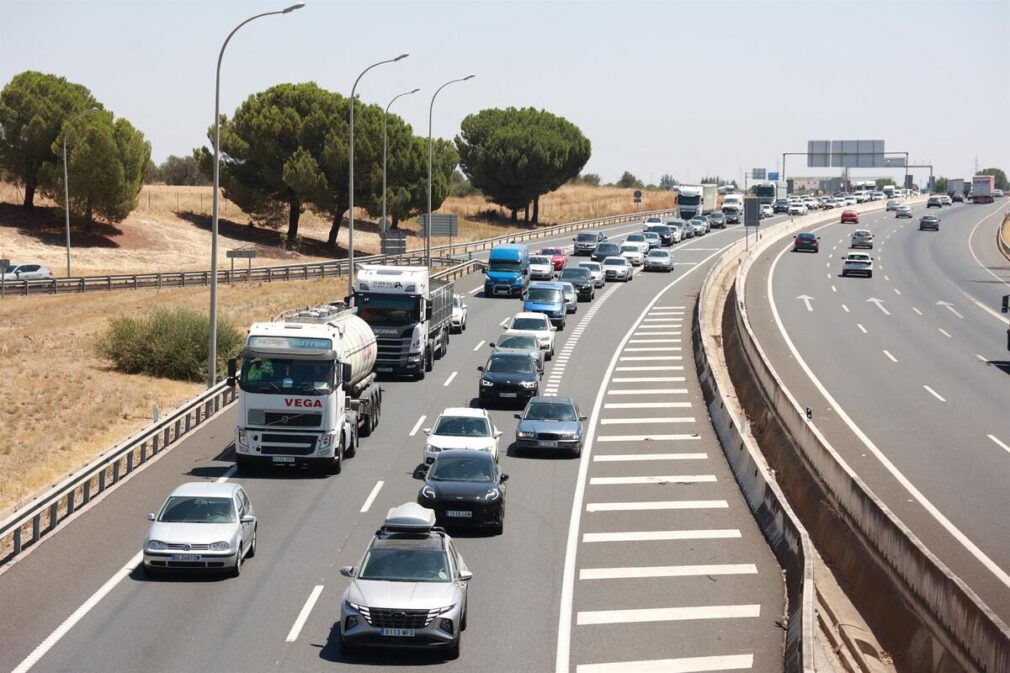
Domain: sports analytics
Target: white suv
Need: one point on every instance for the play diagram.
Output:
(461, 428)
(857, 264)
(27, 272)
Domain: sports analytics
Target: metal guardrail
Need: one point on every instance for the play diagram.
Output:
(308, 271)
(1001, 237)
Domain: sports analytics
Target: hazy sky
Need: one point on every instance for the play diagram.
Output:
(688, 88)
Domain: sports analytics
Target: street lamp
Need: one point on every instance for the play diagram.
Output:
(66, 191)
(384, 145)
(212, 340)
(427, 237)
(350, 218)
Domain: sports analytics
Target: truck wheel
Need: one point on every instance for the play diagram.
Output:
(420, 373)
(429, 360)
(352, 450)
(337, 465)
(243, 464)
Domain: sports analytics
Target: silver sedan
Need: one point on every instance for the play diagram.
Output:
(659, 260)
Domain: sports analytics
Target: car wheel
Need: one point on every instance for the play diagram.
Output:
(236, 569)
(420, 373)
(561, 327)
(499, 529)
(462, 623)
(550, 354)
(577, 451)
(463, 326)
(336, 466)
(429, 360)
(252, 545)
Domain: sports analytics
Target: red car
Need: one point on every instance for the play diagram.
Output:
(558, 257)
(850, 216)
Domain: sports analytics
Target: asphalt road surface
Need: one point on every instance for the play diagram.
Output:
(907, 373)
(643, 550)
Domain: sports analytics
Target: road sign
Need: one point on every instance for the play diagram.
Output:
(441, 225)
(773, 176)
(751, 211)
(394, 242)
(758, 173)
(638, 196)
(241, 253)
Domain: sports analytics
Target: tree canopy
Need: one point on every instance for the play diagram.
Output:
(999, 174)
(628, 180)
(178, 171)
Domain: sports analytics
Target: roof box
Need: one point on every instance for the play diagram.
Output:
(409, 517)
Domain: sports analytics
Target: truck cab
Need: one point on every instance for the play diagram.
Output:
(690, 201)
(508, 271)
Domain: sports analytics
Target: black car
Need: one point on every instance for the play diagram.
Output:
(732, 215)
(934, 202)
(781, 206)
(806, 241)
(929, 222)
(717, 220)
(587, 241)
(664, 231)
(465, 488)
(957, 197)
(508, 377)
(581, 279)
(604, 250)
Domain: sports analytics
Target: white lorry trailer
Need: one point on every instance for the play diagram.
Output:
(409, 313)
(307, 389)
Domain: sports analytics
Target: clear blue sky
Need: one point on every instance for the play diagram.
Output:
(689, 88)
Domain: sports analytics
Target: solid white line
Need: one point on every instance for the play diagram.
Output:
(660, 535)
(449, 380)
(934, 393)
(479, 344)
(659, 479)
(673, 307)
(648, 379)
(636, 457)
(983, 359)
(646, 405)
(891, 357)
(667, 614)
(645, 438)
(640, 572)
(652, 368)
(477, 289)
(663, 320)
(636, 421)
(863, 329)
(730, 662)
(647, 391)
(371, 496)
(996, 441)
(417, 425)
(296, 628)
(944, 332)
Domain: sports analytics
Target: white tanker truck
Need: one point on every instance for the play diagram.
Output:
(307, 391)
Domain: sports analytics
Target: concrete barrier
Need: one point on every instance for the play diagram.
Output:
(1003, 237)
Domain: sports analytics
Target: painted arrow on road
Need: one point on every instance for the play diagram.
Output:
(950, 307)
(880, 304)
(806, 300)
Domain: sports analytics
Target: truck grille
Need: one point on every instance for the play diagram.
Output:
(293, 420)
(289, 445)
(392, 349)
(388, 618)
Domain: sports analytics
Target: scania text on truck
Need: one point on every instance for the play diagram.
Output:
(410, 314)
(982, 187)
(307, 389)
(508, 271)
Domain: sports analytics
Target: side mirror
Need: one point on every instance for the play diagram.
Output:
(583, 418)
(427, 431)
(553, 328)
(232, 369)
(519, 416)
(480, 368)
(465, 575)
(504, 477)
(347, 571)
(492, 345)
(150, 516)
(497, 433)
(248, 518)
(345, 372)
(465, 306)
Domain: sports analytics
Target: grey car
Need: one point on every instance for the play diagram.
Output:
(410, 588)
(658, 260)
(595, 271)
(550, 423)
(654, 239)
(571, 297)
(521, 341)
(201, 526)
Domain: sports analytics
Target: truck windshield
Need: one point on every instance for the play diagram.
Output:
(286, 376)
(543, 295)
(688, 199)
(506, 265)
(382, 309)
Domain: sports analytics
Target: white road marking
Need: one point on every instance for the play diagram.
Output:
(879, 303)
(661, 307)
(934, 393)
(661, 479)
(845, 307)
(654, 341)
(640, 572)
(371, 496)
(646, 405)
(982, 358)
(950, 307)
(649, 379)
(413, 431)
(897, 291)
(917, 310)
(805, 298)
(860, 326)
(657, 326)
(943, 332)
(449, 380)
(646, 438)
(648, 391)
(887, 278)
(660, 535)
(653, 368)
(296, 628)
(636, 457)
(996, 441)
(645, 358)
(652, 349)
(890, 357)
(479, 344)
(663, 320)
(504, 322)
(477, 289)
(730, 662)
(645, 334)
(636, 421)
(667, 614)
(834, 289)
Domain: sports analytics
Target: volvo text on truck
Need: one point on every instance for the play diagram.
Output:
(307, 389)
(410, 314)
(508, 271)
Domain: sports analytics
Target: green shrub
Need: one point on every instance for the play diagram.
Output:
(169, 343)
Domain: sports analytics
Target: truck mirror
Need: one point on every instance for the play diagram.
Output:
(1006, 303)
(232, 369)
(345, 372)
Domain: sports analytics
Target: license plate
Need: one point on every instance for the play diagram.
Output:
(383, 369)
(548, 443)
(283, 459)
(399, 633)
(507, 394)
(459, 514)
(185, 557)
(500, 291)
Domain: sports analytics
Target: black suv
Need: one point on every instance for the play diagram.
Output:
(664, 231)
(604, 250)
(716, 220)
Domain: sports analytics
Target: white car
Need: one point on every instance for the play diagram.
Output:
(618, 268)
(811, 204)
(638, 240)
(892, 204)
(903, 211)
(649, 221)
(632, 253)
(460, 428)
(857, 264)
(541, 268)
(766, 210)
(947, 201)
(851, 200)
(538, 324)
(595, 272)
(675, 233)
(797, 209)
(862, 238)
(457, 323)
(839, 202)
(26, 272)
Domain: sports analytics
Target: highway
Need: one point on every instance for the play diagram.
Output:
(642, 551)
(906, 373)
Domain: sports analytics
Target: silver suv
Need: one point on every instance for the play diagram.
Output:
(410, 589)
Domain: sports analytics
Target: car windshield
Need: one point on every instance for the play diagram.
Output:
(509, 363)
(859, 258)
(286, 376)
(462, 426)
(586, 237)
(543, 295)
(551, 411)
(659, 253)
(568, 291)
(405, 565)
(575, 273)
(518, 341)
(533, 324)
(806, 237)
(636, 237)
(629, 248)
(392, 310)
(607, 248)
(189, 509)
(552, 251)
(540, 260)
(614, 261)
(457, 302)
(479, 468)
(592, 266)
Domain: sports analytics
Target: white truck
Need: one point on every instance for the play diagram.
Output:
(409, 313)
(307, 389)
(695, 200)
(732, 208)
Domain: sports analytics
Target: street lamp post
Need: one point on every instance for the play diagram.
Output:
(427, 237)
(212, 340)
(384, 150)
(350, 210)
(66, 192)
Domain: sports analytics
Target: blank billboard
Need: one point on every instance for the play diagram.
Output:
(818, 153)
(857, 153)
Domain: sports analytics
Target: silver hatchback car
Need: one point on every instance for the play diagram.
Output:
(410, 588)
(202, 526)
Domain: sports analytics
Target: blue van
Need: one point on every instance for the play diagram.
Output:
(547, 298)
(508, 271)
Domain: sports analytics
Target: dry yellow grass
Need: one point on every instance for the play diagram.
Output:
(63, 405)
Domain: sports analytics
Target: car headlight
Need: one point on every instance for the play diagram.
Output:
(429, 493)
(219, 546)
(528, 384)
(157, 545)
(485, 383)
(243, 438)
(442, 611)
(522, 434)
(432, 448)
(492, 495)
(354, 606)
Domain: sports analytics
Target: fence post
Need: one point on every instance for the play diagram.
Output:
(36, 527)
(143, 452)
(17, 541)
(154, 445)
(54, 514)
(86, 495)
